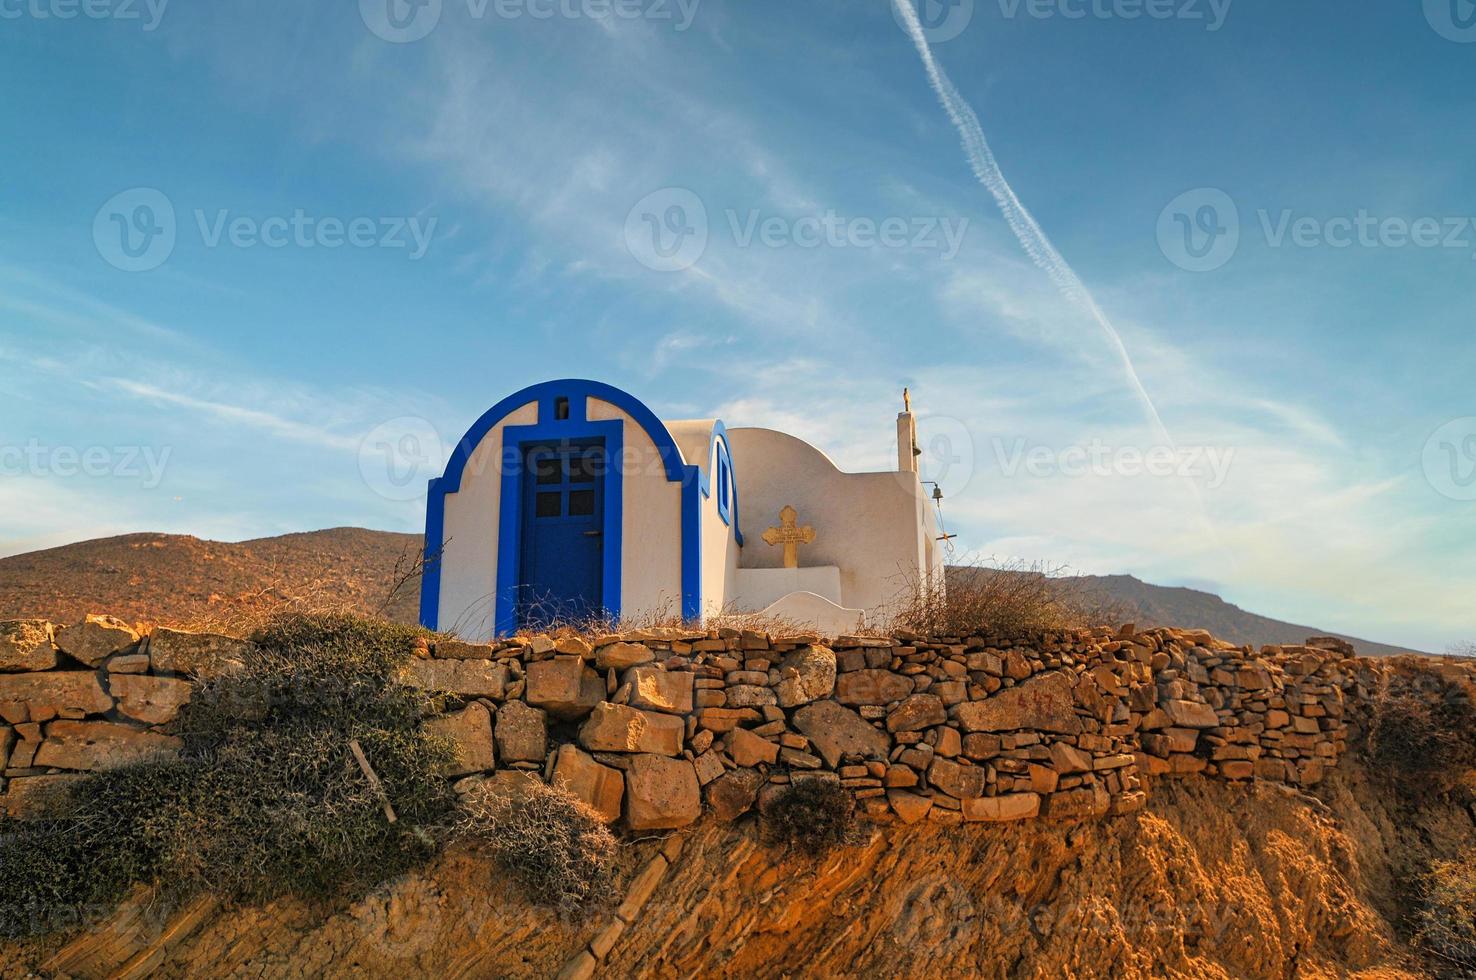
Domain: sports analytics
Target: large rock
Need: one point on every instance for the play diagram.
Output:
(60, 692)
(509, 784)
(449, 648)
(566, 687)
(909, 807)
(836, 731)
(807, 674)
(100, 745)
(467, 678)
(661, 793)
(1067, 759)
(25, 644)
(621, 728)
(959, 781)
(750, 696)
(1191, 714)
(1092, 800)
(748, 749)
(733, 793)
(602, 787)
(1043, 703)
(655, 689)
(196, 654)
(917, 712)
(95, 639)
(151, 700)
(470, 731)
(996, 809)
(871, 687)
(522, 733)
(620, 656)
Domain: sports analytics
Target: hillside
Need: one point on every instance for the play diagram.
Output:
(179, 579)
(187, 580)
(1160, 605)
(1207, 881)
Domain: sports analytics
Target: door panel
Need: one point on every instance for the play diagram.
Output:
(562, 561)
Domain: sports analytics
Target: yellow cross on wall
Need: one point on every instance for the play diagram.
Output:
(789, 534)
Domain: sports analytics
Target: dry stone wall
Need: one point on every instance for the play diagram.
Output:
(652, 728)
(92, 695)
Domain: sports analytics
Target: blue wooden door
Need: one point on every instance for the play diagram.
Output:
(562, 561)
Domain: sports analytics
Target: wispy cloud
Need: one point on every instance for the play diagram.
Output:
(241, 416)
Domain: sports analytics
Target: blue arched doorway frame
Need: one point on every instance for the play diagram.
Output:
(572, 394)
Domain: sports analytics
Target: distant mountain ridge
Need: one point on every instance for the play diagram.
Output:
(1162, 605)
(175, 578)
(183, 580)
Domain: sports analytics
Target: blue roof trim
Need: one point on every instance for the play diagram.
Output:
(577, 391)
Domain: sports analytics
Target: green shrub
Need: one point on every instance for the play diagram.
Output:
(72, 868)
(1422, 731)
(813, 815)
(1447, 916)
(266, 798)
(550, 842)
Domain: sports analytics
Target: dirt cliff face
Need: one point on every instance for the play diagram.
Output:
(1208, 880)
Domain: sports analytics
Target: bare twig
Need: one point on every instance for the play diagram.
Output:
(374, 783)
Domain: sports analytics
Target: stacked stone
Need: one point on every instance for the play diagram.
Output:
(647, 727)
(89, 696)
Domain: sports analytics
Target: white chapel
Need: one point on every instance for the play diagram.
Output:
(571, 499)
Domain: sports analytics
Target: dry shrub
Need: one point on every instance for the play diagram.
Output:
(551, 842)
(813, 815)
(556, 619)
(1014, 597)
(1447, 915)
(266, 798)
(1422, 730)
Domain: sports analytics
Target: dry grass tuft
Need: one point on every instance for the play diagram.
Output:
(1447, 916)
(550, 841)
(1013, 597)
(1422, 733)
(814, 816)
(554, 620)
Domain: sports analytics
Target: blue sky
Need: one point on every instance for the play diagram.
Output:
(1271, 203)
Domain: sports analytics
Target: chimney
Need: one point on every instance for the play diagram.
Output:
(907, 451)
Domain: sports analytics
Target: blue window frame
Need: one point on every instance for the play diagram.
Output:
(724, 488)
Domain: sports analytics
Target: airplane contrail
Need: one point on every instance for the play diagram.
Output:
(1021, 222)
